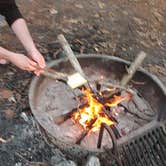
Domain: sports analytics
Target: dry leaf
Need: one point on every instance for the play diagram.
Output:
(5, 93)
(9, 114)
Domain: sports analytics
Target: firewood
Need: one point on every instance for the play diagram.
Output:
(86, 131)
(69, 53)
(133, 67)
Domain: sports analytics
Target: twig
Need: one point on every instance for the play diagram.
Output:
(20, 156)
(29, 162)
(112, 135)
(138, 82)
(118, 87)
(48, 72)
(111, 94)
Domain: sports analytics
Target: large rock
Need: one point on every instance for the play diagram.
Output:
(59, 159)
(66, 163)
(92, 161)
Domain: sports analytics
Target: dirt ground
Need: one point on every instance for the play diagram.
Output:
(115, 27)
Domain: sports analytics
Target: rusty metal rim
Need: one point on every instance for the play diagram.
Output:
(55, 62)
(152, 76)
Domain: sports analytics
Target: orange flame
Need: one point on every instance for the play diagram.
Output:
(94, 110)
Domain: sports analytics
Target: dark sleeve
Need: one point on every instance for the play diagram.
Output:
(10, 11)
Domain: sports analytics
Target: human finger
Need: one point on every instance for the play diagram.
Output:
(32, 65)
(42, 63)
(37, 72)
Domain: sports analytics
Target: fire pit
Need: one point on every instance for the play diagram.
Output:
(80, 123)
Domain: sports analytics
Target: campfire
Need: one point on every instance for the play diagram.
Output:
(75, 120)
(98, 109)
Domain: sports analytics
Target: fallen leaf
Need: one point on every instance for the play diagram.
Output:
(2, 140)
(80, 6)
(53, 11)
(5, 93)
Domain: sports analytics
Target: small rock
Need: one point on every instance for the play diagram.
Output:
(125, 13)
(97, 15)
(101, 5)
(18, 164)
(53, 11)
(66, 163)
(92, 161)
(24, 116)
(12, 99)
(2, 21)
(57, 158)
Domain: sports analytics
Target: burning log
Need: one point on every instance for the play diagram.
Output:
(110, 94)
(97, 108)
(140, 104)
(118, 89)
(109, 130)
(114, 153)
(107, 111)
(116, 132)
(62, 118)
(85, 133)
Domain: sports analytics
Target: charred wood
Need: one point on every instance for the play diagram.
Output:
(86, 131)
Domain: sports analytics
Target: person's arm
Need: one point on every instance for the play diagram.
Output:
(10, 11)
(21, 30)
(17, 23)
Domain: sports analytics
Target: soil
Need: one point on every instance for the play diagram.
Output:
(115, 27)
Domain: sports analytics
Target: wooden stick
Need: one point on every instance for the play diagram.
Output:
(72, 58)
(47, 72)
(108, 84)
(133, 67)
(68, 51)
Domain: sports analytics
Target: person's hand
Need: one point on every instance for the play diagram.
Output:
(36, 56)
(23, 62)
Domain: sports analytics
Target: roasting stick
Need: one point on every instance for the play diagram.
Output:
(75, 80)
(133, 68)
(47, 72)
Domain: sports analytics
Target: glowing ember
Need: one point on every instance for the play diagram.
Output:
(95, 110)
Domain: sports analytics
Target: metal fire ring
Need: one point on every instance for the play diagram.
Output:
(76, 150)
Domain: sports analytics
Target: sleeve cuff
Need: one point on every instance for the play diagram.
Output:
(12, 13)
